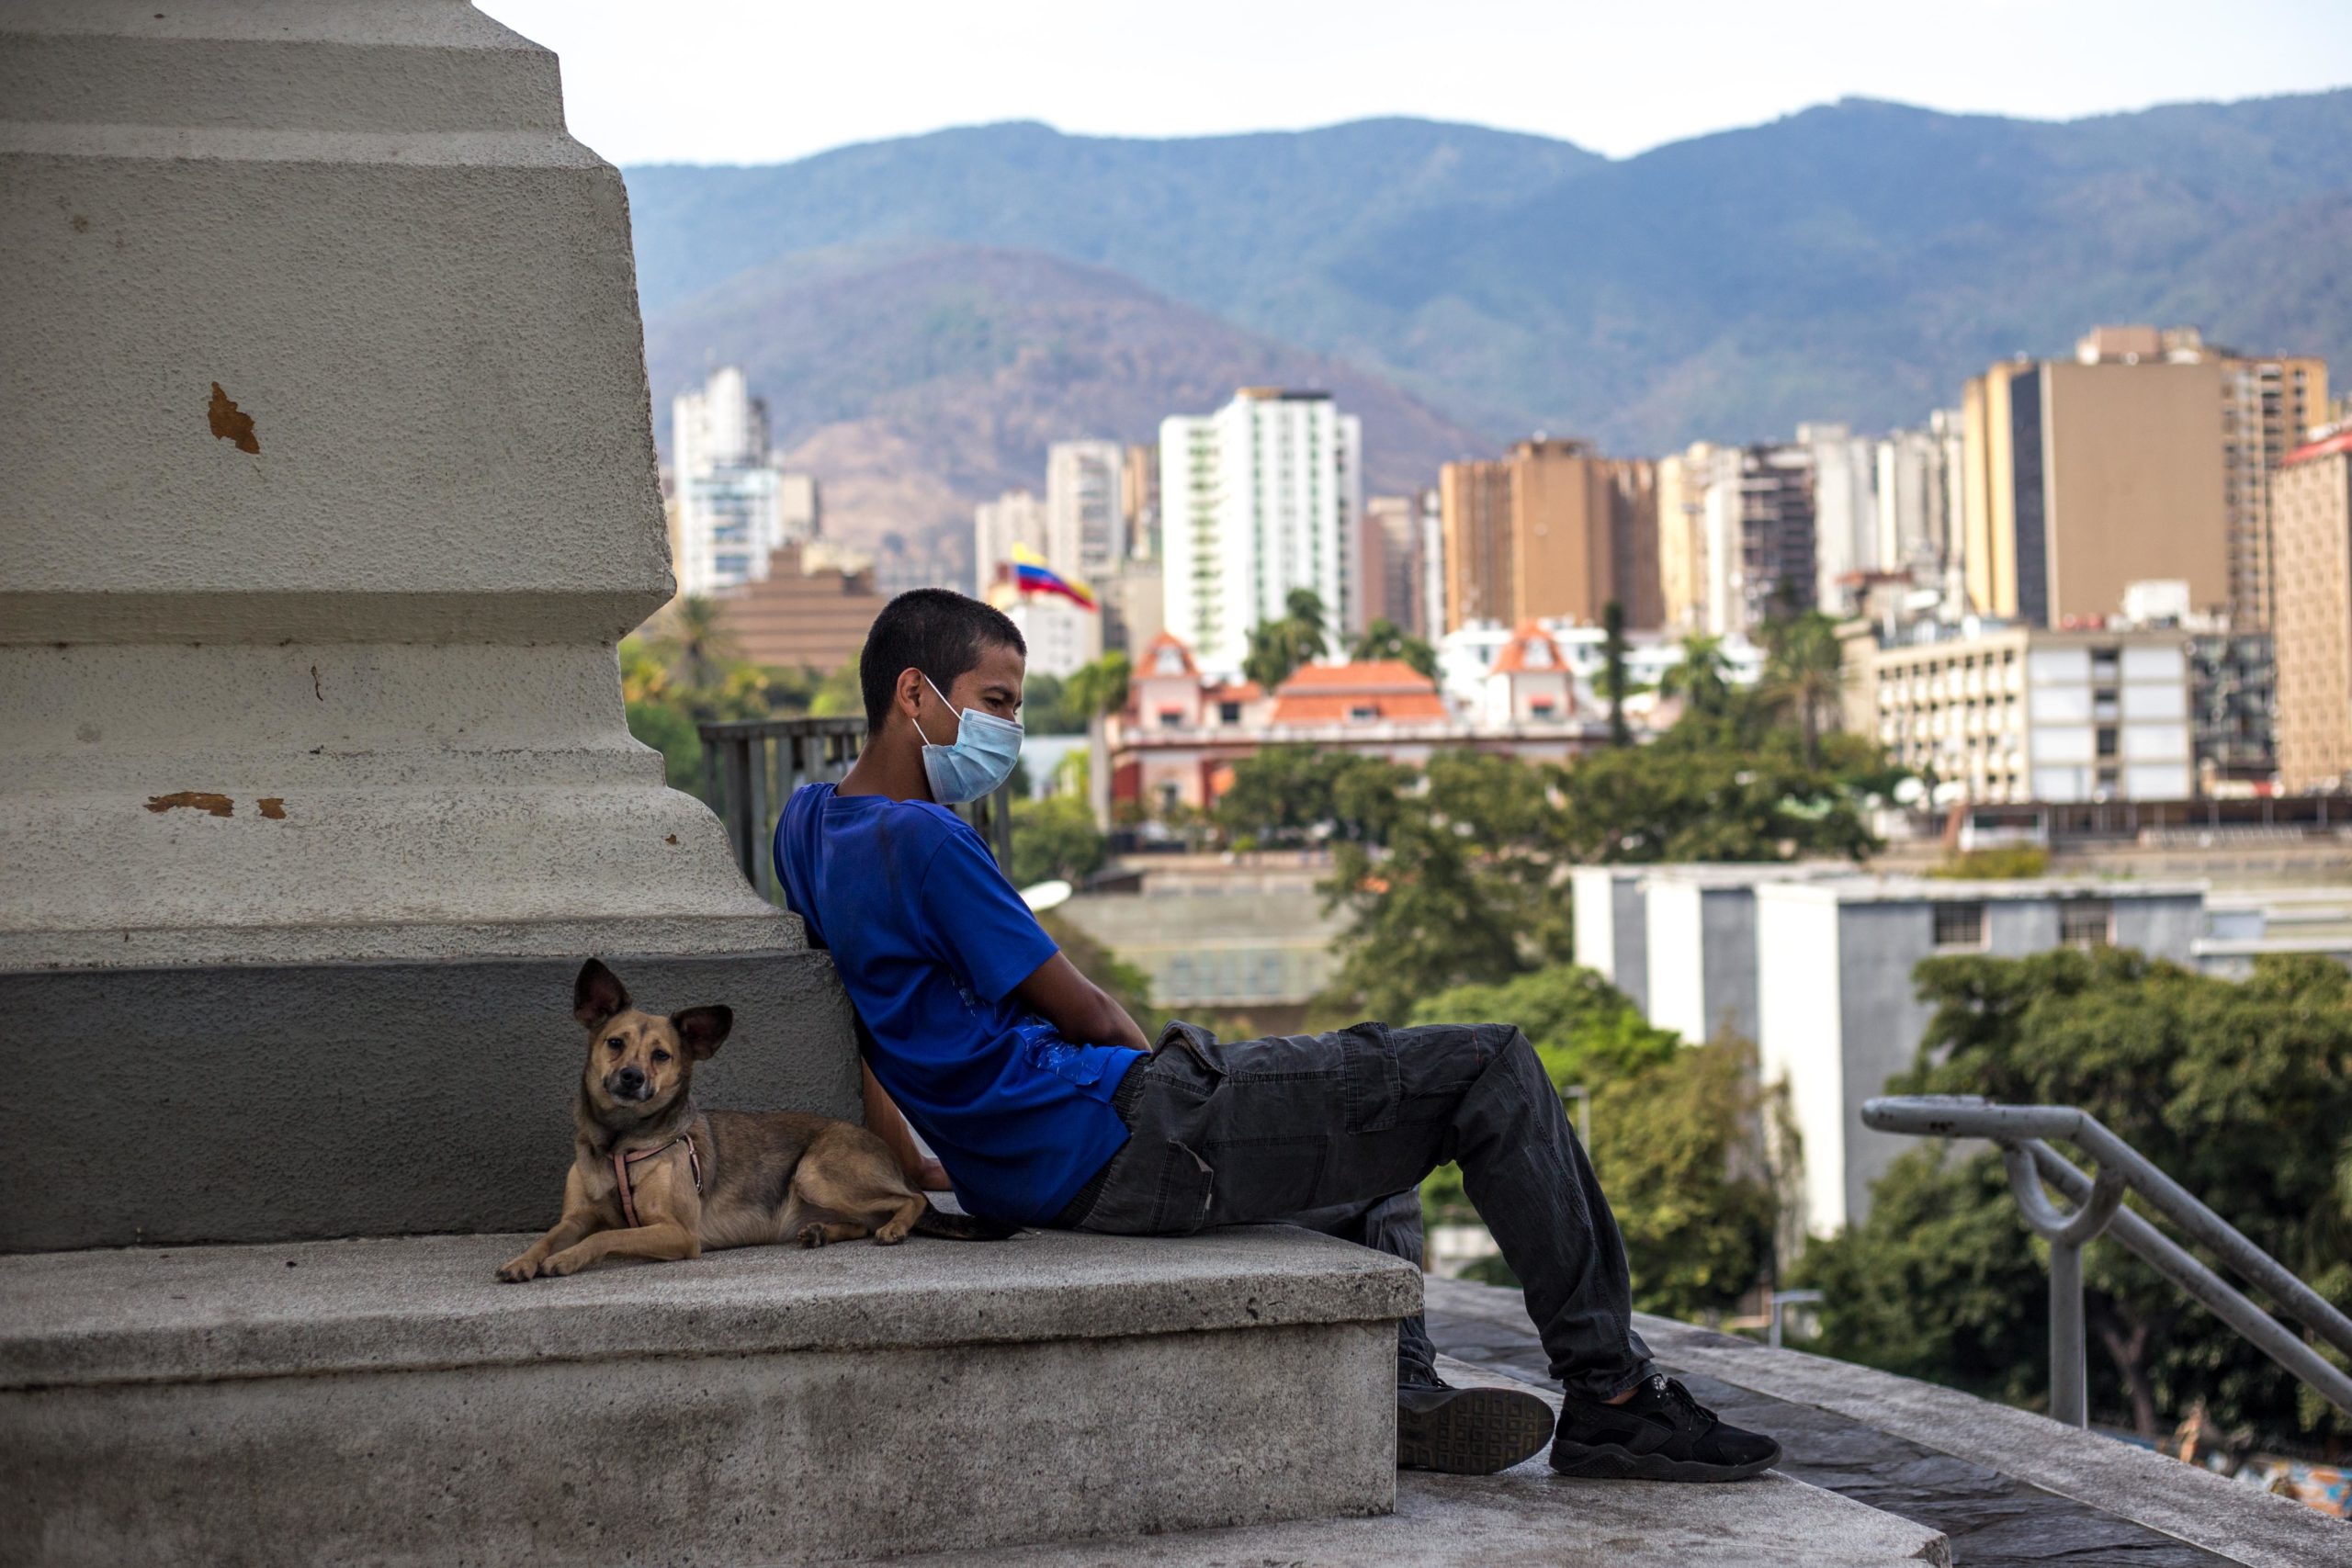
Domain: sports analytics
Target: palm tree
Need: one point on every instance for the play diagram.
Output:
(1303, 609)
(1385, 639)
(1279, 647)
(1702, 678)
(693, 642)
(1805, 671)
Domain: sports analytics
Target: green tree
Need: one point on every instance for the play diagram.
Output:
(1043, 710)
(1460, 886)
(1385, 639)
(1702, 678)
(672, 732)
(2238, 1091)
(1677, 1133)
(1280, 646)
(1612, 672)
(1675, 801)
(1052, 837)
(1301, 795)
(1097, 689)
(691, 641)
(1804, 673)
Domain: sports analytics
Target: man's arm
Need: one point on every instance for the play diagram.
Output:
(883, 1120)
(1078, 1007)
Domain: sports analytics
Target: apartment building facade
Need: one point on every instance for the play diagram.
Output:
(2312, 630)
(1551, 530)
(2018, 713)
(1260, 498)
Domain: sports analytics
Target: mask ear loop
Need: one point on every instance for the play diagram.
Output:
(942, 703)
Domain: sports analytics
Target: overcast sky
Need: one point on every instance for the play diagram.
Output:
(763, 81)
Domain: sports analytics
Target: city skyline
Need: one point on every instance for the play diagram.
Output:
(702, 87)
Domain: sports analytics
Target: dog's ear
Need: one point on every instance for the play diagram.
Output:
(597, 995)
(700, 1030)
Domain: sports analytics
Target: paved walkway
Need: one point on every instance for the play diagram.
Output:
(1993, 1519)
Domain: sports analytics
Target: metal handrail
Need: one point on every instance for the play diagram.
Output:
(2019, 1130)
(749, 768)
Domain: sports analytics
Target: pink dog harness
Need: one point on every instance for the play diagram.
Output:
(621, 1162)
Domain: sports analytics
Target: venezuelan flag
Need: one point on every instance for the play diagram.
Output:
(1032, 575)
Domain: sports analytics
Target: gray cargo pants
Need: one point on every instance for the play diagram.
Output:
(1335, 1133)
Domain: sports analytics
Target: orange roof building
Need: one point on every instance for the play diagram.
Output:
(1378, 690)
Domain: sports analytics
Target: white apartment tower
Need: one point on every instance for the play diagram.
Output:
(1086, 517)
(1016, 517)
(734, 505)
(1845, 508)
(1258, 499)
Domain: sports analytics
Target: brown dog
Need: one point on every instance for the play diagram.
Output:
(651, 1177)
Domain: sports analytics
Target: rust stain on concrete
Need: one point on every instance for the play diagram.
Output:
(193, 800)
(273, 807)
(232, 426)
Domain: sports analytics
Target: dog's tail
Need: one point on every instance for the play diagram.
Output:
(960, 1227)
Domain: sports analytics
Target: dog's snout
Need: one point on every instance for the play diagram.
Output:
(628, 1080)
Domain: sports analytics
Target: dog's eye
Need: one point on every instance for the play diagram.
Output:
(615, 1043)
(660, 1055)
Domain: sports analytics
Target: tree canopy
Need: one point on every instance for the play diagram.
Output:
(2239, 1091)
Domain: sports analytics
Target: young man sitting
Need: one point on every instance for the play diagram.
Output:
(1048, 1107)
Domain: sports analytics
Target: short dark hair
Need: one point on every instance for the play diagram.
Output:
(935, 630)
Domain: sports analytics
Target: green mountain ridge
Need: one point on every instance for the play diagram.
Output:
(1852, 261)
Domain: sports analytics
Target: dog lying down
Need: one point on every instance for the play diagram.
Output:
(651, 1177)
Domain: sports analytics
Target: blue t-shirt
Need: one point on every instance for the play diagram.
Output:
(931, 940)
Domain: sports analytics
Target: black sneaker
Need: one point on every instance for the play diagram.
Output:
(1468, 1431)
(1660, 1434)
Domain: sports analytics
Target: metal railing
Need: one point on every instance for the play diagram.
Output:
(2019, 1130)
(749, 768)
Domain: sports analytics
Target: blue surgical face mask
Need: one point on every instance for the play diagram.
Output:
(986, 748)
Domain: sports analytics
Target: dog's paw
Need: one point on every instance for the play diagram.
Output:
(562, 1263)
(812, 1235)
(890, 1236)
(514, 1271)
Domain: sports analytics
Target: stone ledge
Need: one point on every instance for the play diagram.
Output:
(93, 1319)
(1527, 1515)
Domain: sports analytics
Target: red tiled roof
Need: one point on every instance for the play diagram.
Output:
(1513, 658)
(1146, 663)
(2339, 442)
(1372, 677)
(1247, 692)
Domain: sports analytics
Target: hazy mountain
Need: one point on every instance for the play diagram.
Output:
(915, 382)
(1853, 261)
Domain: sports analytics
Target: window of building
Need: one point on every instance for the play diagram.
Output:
(2086, 922)
(1228, 713)
(1171, 718)
(2106, 741)
(1362, 712)
(1959, 925)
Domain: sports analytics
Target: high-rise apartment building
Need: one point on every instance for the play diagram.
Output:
(1258, 499)
(1086, 514)
(733, 507)
(1016, 517)
(1683, 478)
(1553, 530)
(1393, 561)
(1845, 510)
(1139, 494)
(2311, 625)
(1918, 485)
(2080, 476)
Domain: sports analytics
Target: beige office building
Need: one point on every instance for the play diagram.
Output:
(1683, 561)
(1554, 530)
(2081, 478)
(2024, 714)
(2312, 525)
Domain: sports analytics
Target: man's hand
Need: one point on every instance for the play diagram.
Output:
(1080, 1010)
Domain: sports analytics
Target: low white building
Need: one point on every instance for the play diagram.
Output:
(1063, 637)
(1466, 658)
(2016, 713)
(1838, 1013)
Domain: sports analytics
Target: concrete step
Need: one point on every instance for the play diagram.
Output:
(1529, 1518)
(389, 1401)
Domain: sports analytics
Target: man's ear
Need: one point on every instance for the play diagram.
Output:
(700, 1030)
(906, 696)
(597, 995)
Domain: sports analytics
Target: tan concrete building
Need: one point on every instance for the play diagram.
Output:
(2273, 404)
(797, 618)
(2024, 714)
(2080, 478)
(1682, 481)
(2312, 524)
(1554, 530)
